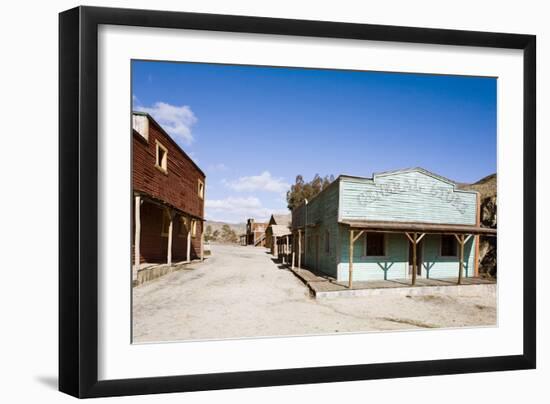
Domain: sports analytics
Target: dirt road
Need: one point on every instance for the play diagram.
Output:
(240, 292)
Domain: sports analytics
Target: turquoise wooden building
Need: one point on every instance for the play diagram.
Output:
(396, 225)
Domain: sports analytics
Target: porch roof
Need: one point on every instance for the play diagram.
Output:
(386, 226)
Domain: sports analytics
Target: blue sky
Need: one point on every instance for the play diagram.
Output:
(253, 129)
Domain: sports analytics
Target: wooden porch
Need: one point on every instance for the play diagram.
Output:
(415, 232)
(322, 285)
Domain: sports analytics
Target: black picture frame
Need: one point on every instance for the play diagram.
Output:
(78, 201)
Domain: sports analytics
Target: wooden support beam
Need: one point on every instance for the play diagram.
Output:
(415, 241)
(461, 264)
(476, 256)
(420, 238)
(188, 224)
(202, 241)
(350, 275)
(170, 234)
(287, 252)
(358, 235)
(409, 237)
(299, 248)
(137, 230)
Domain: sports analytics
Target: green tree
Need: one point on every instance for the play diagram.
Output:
(228, 235)
(301, 190)
(208, 233)
(226, 232)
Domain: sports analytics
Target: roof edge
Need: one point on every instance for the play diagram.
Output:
(158, 125)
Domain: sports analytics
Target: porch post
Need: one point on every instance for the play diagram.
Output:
(188, 240)
(287, 247)
(170, 231)
(461, 265)
(300, 248)
(137, 230)
(275, 247)
(413, 280)
(350, 275)
(293, 251)
(202, 240)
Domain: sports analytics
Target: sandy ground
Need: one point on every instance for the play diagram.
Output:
(240, 292)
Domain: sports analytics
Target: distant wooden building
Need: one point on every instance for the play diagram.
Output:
(168, 197)
(255, 233)
(396, 225)
(277, 227)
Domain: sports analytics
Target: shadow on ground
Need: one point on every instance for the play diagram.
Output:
(48, 381)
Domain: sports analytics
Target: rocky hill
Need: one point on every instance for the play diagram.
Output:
(223, 232)
(487, 188)
(238, 228)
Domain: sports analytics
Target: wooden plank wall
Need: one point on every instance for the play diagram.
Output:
(407, 197)
(179, 186)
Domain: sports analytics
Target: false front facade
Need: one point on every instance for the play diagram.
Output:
(168, 197)
(396, 225)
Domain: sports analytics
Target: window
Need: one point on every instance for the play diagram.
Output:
(201, 189)
(327, 242)
(161, 158)
(183, 226)
(448, 246)
(165, 223)
(193, 228)
(375, 245)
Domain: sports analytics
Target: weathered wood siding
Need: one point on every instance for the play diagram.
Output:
(409, 196)
(395, 264)
(436, 266)
(177, 187)
(396, 261)
(154, 244)
(322, 222)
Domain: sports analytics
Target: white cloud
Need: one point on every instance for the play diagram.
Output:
(235, 210)
(263, 182)
(176, 120)
(218, 167)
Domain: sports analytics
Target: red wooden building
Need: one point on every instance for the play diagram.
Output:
(168, 197)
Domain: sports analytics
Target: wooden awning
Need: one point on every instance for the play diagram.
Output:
(159, 202)
(399, 227)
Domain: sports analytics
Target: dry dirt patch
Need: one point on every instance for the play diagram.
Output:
(240, 292)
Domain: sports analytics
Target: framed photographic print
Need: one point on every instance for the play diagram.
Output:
(251, 201)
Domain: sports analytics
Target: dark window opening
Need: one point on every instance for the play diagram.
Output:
(448, 246)
(375, 245)
(160, 157)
